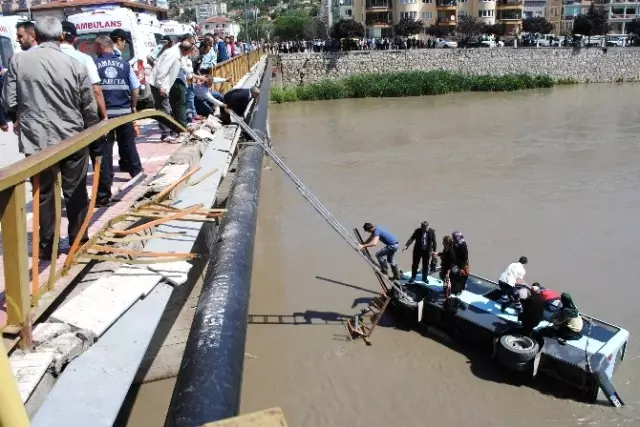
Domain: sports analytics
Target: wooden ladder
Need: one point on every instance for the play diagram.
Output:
(362, 324)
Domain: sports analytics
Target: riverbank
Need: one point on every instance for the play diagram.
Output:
(408, 83)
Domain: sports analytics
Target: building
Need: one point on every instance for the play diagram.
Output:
(220, 25)
(208, 10)
(68, 7)
(553, 13)
(571, 9)
(534, 9)
(620, 13)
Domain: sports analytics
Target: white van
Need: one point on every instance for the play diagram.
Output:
(175, 29)
(8, 39)
(141, 26)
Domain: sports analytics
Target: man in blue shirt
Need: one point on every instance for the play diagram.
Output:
(386, 254)
(221, 48)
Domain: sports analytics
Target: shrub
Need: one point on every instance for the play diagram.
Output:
(408, 83)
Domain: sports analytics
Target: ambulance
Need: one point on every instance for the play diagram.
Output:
(8, 40)
(175, 29)
(143, 28)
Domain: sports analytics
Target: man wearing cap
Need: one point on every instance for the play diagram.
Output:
(425, 244)
(120, 39)
(120, 95)
(165, 43)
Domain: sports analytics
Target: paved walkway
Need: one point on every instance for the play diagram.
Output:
(153, 154)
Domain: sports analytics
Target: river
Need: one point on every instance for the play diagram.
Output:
(550, 174)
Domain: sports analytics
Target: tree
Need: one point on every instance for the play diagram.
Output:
(437, 31)
(293, 25)
(496, 29)
(594, 22)
(633, 27)
(408, 26)
(188, 15)
(320, 29)
(346, 29)
(537, 24)
(469, 25)
(259, 29)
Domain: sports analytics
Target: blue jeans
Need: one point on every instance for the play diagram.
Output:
(387, 255)
(190, 97)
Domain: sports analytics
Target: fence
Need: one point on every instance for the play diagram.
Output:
(22, 293)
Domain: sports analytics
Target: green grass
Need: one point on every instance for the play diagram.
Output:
(407, 83)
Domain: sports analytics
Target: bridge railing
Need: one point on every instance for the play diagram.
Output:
(22, 292)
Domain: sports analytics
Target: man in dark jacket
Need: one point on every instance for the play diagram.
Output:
(237, 100)
(425, 244)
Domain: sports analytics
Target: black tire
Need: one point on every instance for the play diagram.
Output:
(517, 349)
(505, 360)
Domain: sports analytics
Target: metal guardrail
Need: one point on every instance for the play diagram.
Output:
(21, 298)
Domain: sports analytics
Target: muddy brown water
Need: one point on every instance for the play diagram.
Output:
(552, 174)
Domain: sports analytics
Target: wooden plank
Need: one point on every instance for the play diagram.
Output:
(15, 255)
(268, 418)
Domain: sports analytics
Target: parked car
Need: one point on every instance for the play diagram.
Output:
(446, 43)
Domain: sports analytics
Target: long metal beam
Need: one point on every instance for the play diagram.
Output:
(30, 166)
(210, 378)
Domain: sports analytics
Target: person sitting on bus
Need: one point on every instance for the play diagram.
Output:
(567, 323)
(550, 297)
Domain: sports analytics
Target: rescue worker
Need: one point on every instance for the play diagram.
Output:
(120, 95)
(120, 39)
(386, 254)
(237, 100)
(550, 297)
(512, 277)
(425, 244)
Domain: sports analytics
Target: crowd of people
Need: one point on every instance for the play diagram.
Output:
(529, 301)
(333, 45)
(51, 92)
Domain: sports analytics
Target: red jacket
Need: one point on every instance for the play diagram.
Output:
(548, 294)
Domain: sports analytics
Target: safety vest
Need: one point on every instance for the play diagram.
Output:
(116, 85)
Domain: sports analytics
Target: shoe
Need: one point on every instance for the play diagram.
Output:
(104, 202)
(396, 273)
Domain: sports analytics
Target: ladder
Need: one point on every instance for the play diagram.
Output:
(315, 203)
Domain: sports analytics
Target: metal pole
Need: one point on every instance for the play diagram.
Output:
(12, 411)
(246, 21)
(209, 382)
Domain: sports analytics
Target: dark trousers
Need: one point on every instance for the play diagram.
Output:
(74, 190)
(203, 108)
(129, 157)
(417, 257)
(161, 104)
(512, 293)
(103, 147)
(178, 103)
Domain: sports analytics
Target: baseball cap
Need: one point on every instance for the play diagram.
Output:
(69, 28)
(165, 39)
(119, 33)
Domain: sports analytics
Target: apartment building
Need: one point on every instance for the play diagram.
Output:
(534, 8)
(571, 9)
(620, 13)
(553, 13)
(209, 9)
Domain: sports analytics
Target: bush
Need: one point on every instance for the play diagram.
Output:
(408, 83)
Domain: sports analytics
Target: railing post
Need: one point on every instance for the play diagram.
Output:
(15, 255)
(12, 411)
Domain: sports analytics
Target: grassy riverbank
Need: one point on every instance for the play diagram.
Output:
(406, 83)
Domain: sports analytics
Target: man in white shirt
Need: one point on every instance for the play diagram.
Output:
(163, 75)
(69, 35)
(511, 280)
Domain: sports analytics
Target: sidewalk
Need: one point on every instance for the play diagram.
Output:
(153, 155)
